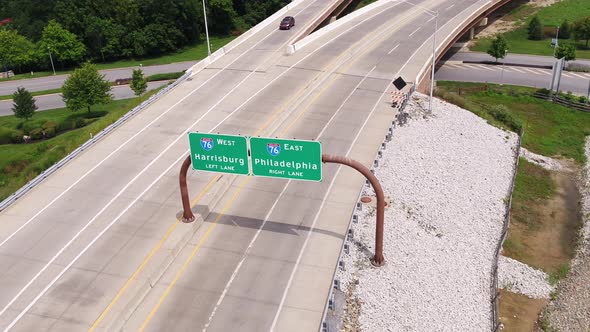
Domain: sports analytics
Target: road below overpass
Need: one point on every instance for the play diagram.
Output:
(98, 245)
(456, 70)
(56, 82)
(53, 101)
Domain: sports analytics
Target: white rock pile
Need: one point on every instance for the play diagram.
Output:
(545, 162)
(520, 278)
(448, 175)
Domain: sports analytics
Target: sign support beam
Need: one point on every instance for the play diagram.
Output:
(187, 214)
(378, 259)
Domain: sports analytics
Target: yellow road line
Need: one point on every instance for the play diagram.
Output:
(197, 247)
(148, 258)
(158, 246)
(278, 111)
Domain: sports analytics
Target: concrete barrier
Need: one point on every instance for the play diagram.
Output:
(300, 44)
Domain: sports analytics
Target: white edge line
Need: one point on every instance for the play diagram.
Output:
(415, 31)
(131, 204)
(124, 144)
(290, 281)
(266, 218)
(393, 49)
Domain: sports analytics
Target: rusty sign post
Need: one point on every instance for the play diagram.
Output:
(378, 259)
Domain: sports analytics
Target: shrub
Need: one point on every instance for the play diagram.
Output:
(50, 132)
(31, 125)
(543, 91)
(17, 137)
(502, 114)
(569, 96)
(79, 123)
(164, 76)
(66, 125)
(535, 29)
(49, 124)
(36, 133)
(6, 135)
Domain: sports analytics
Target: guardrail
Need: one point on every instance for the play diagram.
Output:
(506, 224)
(324, 326)
(31, 184)
(563, 101)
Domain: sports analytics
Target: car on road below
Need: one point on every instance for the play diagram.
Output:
(287, 23)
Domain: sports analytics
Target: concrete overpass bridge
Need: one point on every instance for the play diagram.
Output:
(97, 245)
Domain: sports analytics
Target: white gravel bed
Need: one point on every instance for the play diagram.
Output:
(448, 175)
(520, 278)
(545, 162)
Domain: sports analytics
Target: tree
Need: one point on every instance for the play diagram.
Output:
(85, 88)
(15, 50)
(498, 47)
(138, 82)
(24, 104)
(535, 29)
(581, 29)
(567, 51)
(565, 30)
(64, 45)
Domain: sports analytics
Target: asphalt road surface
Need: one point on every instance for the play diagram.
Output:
(47, 102)
(98, 246)
(55, 82)
(577, 83)
(511, 58)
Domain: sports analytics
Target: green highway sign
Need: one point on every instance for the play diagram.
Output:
(289, 159)
(219, 153)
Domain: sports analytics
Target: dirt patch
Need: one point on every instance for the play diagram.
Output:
(518, 312)
(551, 241)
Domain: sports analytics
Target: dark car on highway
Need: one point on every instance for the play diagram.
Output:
(287, 23)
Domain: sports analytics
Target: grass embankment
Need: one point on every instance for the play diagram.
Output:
(544, 221)
(550, 129)
(551, 16)
(193, 53)
(20, 163)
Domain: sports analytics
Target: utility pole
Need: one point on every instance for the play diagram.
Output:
(556, 42)
(206, 29)
(51, 59)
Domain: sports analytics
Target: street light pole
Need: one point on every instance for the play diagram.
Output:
(556, 42)
(206, 29)
(51, 59)
(433, 61)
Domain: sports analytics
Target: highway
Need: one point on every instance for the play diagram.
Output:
(52, 101)
(98, 245)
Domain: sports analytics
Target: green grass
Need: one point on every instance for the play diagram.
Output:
(20, 163)
(192, 53)
(36, 93)
(550, 16)
(533, 185)
(550, 129)
(561, 272)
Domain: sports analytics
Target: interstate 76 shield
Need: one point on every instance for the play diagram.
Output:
(219, 153)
